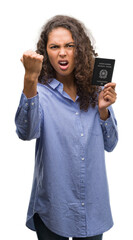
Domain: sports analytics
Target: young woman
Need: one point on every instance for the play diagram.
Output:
(73, 123)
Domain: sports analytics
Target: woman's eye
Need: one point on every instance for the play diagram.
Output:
(70, 46)
(54, 47)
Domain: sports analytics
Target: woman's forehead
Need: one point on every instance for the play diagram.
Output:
(60, 35)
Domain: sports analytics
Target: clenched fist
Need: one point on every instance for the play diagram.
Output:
(33, 64)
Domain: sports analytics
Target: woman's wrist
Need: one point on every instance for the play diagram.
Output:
(30, 85)
(104, 114)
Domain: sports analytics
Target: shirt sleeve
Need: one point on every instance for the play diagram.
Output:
(110, 131)
(28, 118)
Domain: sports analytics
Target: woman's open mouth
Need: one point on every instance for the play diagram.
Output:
(63, 64)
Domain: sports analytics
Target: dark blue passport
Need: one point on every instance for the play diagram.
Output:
(103, 71)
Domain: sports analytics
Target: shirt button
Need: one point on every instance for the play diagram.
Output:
(76, 113)
(83, 204)
(82, 134)
(32, 103)
(82, 159)
(26, 104)
(108, 136)
(106, 124)
(25, 121)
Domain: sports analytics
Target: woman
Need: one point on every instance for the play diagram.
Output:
(73, 123)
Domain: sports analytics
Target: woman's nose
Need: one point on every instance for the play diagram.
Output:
(62, 52)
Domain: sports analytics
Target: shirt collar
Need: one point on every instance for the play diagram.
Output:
(54, 83)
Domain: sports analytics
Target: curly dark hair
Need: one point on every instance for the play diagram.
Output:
(84, 58)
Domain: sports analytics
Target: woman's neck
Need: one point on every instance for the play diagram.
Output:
(67, 81)
(69, 85)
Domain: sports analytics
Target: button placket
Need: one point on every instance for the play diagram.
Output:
(82, 173)
(82, 192)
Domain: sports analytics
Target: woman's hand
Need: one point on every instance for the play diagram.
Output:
(106, 98)
(33, 64)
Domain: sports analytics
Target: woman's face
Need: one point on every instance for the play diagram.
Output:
(61, 51)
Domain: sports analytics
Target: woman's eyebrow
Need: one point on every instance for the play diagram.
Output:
(53, 44)
(56, 44)
(70, 42)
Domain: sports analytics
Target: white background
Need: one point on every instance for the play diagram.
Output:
(20, 23)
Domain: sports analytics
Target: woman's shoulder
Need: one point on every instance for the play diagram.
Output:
(45, 93)
(42, 88)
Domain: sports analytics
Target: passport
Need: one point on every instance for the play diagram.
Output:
(103, 71)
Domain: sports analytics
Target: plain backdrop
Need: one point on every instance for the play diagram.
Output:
(110, 23)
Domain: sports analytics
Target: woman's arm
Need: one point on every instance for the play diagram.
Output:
(28, 115)
(107, 119)
(109, 130)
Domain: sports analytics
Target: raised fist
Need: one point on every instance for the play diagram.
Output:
(32, 62)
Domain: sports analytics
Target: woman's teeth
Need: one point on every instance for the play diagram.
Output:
(63, 63)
